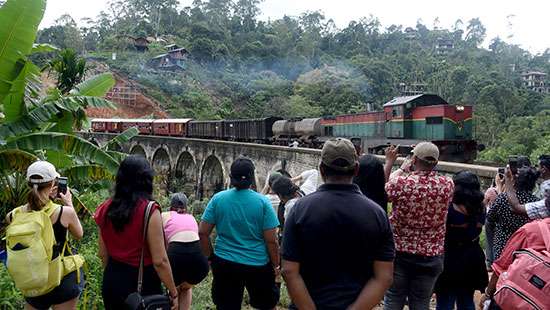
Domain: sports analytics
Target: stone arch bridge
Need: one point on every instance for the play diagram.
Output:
(201, 167)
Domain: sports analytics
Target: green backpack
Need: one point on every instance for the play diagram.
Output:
(29, 241)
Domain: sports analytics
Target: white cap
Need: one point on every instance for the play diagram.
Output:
(42, 169)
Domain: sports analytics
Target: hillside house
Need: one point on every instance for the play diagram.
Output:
(173, 59)
(535, 81)
(141, 43)
(444, 46)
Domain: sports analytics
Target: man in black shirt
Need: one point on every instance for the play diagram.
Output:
(338, 246)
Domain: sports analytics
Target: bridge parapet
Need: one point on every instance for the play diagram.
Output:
(202, 166)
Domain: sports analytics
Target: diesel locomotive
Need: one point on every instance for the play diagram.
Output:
(404, 121)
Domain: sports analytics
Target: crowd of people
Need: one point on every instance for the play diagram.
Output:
(351, 234)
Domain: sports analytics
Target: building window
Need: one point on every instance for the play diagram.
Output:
(434, 120)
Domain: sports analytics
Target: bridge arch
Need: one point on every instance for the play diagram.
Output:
(213, 177)
(161, 160)
(138, 150)
(185, 176)
(161, 164)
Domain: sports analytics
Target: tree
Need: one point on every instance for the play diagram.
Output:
(69, 70)
(475, 32)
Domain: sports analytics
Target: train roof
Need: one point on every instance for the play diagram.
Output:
(173, 120)
(418, 100)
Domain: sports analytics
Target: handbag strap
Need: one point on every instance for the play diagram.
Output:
(543, 226)
(146, 219)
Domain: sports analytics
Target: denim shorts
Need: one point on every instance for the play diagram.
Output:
(68, 289)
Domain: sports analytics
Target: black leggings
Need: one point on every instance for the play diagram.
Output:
(120, 280)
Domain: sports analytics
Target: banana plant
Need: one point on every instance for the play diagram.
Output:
(34, 127)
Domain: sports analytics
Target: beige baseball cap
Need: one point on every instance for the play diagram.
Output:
(339, 154)
(42, 169)
(426, 151)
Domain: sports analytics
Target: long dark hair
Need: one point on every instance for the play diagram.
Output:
(468, 194)
(134, 181)
(526, 179)
(371, 180)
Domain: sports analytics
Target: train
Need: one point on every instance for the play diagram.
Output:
(404, 121)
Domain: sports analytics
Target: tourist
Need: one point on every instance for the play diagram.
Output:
(501, 215)
(246, 254)
(464, 268)
(534, 210)
(308, 181)
(268, 190)
(189, 265)
(288, 194)
(420, 198)
(41, 178)
(371, 181)
(338, 246)
(121, 221)
(529, 236)
(491, 194)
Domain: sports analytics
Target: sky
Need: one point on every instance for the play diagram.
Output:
(526, 23)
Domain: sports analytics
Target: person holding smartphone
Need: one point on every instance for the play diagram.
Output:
(506, 221)
(534, 210)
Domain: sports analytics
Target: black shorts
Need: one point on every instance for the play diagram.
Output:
(120, 280)
(231, 278)
(68, 289)
(187, 261)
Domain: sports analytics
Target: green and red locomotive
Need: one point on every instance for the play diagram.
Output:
(408, 120)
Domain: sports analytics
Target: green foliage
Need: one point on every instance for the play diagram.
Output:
(19, 22)
(69, 69)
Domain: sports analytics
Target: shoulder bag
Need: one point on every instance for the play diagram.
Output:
(136, 301)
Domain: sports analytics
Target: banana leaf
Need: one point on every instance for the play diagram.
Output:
(97, 85)
(15, 160)
(59, 159)
(87, 173)
(70, 144)
(49, 111)
(14, 104)
(19, 20)
(122, 138)
(43, 48)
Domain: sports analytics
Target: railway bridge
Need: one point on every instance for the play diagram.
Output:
(201, 167)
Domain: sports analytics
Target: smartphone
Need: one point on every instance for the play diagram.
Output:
(62, 185)
(501, 172)
(513, 164)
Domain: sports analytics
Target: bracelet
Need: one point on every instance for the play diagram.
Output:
(487, 293)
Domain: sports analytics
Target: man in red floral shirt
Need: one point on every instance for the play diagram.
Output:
(420, 198)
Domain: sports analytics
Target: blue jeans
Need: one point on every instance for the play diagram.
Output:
(414, 279)
(463, 300)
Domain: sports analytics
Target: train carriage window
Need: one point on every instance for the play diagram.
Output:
(434, 120)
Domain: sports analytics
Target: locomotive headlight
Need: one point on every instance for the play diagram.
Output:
(460, 108)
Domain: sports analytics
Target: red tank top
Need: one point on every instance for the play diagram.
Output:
(124, 246)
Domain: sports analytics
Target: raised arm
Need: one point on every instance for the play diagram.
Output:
(391, 157)
(69, 218)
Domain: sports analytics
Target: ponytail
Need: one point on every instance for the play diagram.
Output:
(37, 199)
